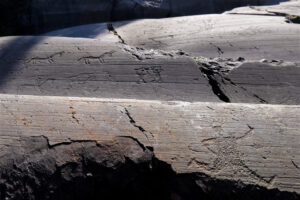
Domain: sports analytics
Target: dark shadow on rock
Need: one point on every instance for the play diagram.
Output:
(36, 16)
(83, 31)
(119, 169)
(12, 52)
(13, 49)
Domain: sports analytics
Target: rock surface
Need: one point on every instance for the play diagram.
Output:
(149, 118)
(208, 58)
(215, 150)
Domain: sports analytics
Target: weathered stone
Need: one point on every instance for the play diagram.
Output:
(160, 146)
(63, 148)
(161, 59)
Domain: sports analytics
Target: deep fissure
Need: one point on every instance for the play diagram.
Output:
(133, 122)
(111, 28)
(214, 83)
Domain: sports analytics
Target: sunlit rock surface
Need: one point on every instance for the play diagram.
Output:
(191, 107)
(210, 58)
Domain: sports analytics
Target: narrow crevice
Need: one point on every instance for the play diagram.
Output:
(220, 51)
(216, 88)
(133, 122)
(137, 141)
(111, 28)
(295, 165)
(254, 14)
(261, 100)
(53, 146)
(133, 53)
(293, 19)
(288, 18)
(213, 70)
(246, 133)
(145, 54)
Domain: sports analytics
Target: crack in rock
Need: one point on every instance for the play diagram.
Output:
(69, 142)
(111, 28)
(261, 100)
(246, 133)
(220, 65)
(138, 142)
(141, 53)
(76, 119)
(293, 19)
(288, 18)
(140, 128)
(295, 165)
(265, 12)
(219, 68)
(145, 54)
(220, 51)
(209, 70)
(209, 67)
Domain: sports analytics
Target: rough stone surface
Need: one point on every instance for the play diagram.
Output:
(154, 126)
(64, 139)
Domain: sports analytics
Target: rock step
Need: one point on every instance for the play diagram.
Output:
(252, 143)
(105, 68)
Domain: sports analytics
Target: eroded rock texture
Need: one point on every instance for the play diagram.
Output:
(121, 168)
(175, 108)
(236, 145)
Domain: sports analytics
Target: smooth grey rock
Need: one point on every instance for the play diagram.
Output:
(88, 67)
(227, 36)
(98, 68)
(245, 60)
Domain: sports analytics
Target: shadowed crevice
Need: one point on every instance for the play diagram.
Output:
(118, 169)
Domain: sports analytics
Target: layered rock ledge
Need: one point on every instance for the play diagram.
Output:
(192, 107)
(62, 147)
